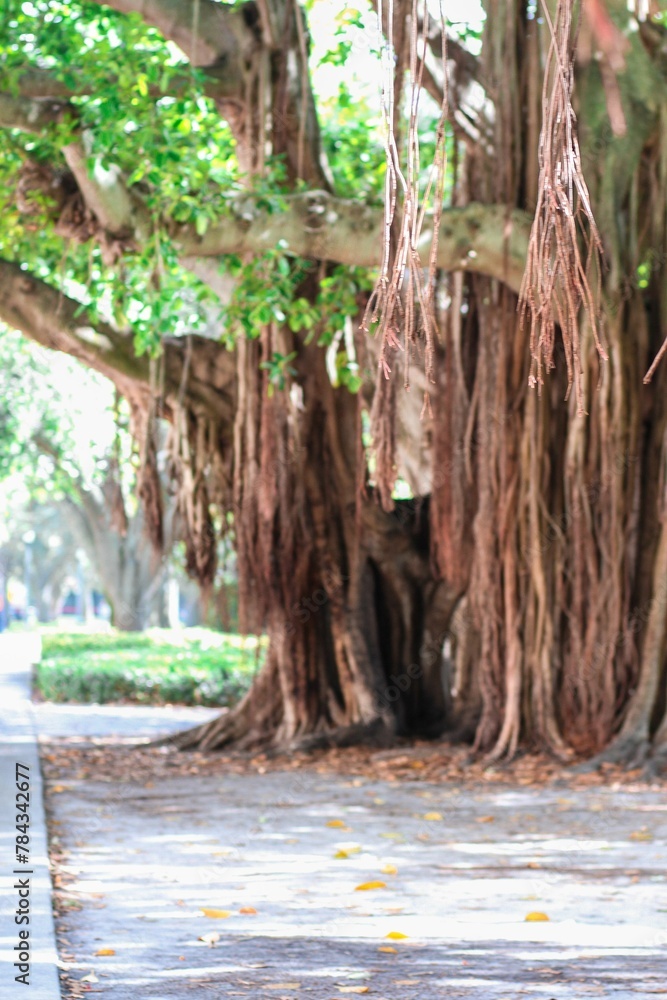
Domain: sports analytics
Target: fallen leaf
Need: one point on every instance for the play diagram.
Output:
(535, 916)
(388, 949)
(58, 788)
(432, 816)
(396, 936)
(643, 834)
(346, 852)
(353, 989)
(281, 986)
(249, 910)
(105, 951)
(215, 914)
(485, 819)
(406, 982)
(370, 885)
(337, 824)
(378, 802)
(389, 870)
(393, 836)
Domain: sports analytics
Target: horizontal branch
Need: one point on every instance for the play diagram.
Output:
(206, 32)
(32, 114)
(58, 322)
(38, 83)
(482, 239)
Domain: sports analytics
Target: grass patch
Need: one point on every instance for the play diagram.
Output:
(158, 667)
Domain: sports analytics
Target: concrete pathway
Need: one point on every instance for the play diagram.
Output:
(249, 886)
(18, 745)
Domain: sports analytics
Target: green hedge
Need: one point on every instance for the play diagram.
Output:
(196, 667)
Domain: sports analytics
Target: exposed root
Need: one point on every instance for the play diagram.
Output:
(631, 752)
(656, 765)
(373, 734)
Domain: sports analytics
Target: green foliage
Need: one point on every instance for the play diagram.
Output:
(268, 290)
(140, 108)
(279, 367)
(352, 140)
(158, 667)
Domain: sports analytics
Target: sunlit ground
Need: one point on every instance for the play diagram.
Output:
(251, 883)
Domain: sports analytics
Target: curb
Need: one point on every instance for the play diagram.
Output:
(18, 744)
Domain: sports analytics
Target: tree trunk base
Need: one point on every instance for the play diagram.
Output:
(234, 730)
(630, 752)
(378, 734)
(656, 765)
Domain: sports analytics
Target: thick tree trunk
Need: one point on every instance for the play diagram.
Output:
(355, 617)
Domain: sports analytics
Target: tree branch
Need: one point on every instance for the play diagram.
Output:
(31, 115)
(58, 322)
(35, 82)
(207, 33)
(103, 190)
(483, 239)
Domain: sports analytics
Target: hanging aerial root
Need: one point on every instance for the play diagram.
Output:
(565, 247)
(402, 302)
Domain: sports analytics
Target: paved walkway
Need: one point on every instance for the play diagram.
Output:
(248, 885)
(18, 744)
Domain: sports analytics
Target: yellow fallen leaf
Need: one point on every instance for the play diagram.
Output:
(389, 870)
(396, 936)
(346, 852)
(393, 836)
(248, 910)
(352, 989)
(337, 824)
(406, 982)
(641, 835)
(535, 916)
(370, 885)
(388, 949)
(378, 802)
(105, 951)
(485, 819)
(215, 914)
(432, 816)
(58, 788)
(282, 986)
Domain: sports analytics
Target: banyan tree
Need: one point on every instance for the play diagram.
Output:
(406, 336)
